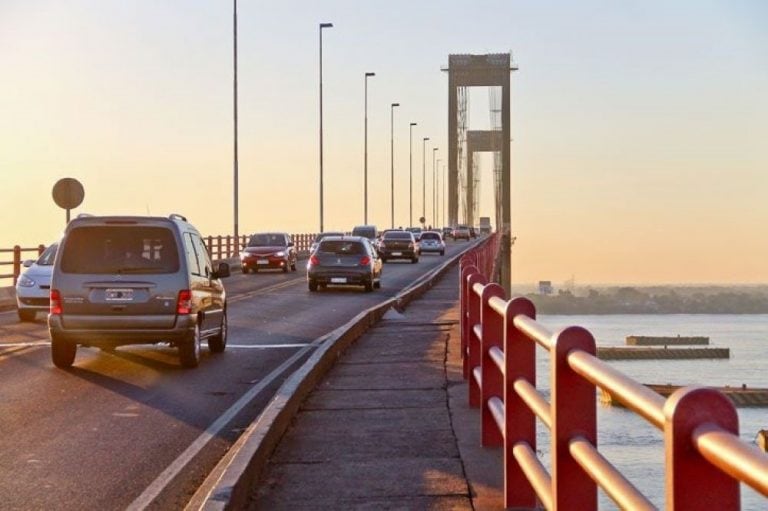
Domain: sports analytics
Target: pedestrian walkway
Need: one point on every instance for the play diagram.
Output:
(389, 426)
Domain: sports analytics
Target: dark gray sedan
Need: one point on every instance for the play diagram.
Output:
(344, 261)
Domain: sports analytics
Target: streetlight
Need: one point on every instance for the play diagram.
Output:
(365, 165)
(234, 106)
(424, 178)
(434, 209)
(410, 173)
(445, 185)
(322, 26)
(392, 156)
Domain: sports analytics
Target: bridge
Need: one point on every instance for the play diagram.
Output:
(129, 428)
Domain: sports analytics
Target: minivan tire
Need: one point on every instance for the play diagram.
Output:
(218, 343)
(312, 286)
(63, 353)
(189, 351)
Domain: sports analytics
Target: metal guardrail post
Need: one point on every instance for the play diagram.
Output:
(473, 343)
(464, 290)
(218, 247)
(519, 419)
(574, 413)
(692, 482)
(493, 381)
(16, 263)
(229, 246)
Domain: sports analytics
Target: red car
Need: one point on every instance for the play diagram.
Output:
(268, 250)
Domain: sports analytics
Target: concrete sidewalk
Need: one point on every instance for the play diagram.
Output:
(389, 426)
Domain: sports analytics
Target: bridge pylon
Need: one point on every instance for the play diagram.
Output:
(489, 70)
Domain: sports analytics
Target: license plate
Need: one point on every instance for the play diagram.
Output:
(338, 280)
(262, 261)
(397, 253)
(118, 295)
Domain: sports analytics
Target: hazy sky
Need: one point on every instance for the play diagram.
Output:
(640, 150)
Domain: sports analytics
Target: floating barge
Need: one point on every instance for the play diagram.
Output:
(659, 353)
(740, 396)
(646, 340)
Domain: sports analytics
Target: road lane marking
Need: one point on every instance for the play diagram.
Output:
(159, 484)
(265, 346)
(257, 292)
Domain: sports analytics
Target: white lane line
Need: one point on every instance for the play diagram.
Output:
(24, 344)
(265, 346)
(159, 484)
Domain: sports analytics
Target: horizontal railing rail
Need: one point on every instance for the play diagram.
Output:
(705, 460)
(220, 247)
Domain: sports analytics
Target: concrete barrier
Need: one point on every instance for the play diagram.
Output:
(230, 484)
(640, 340)
(627, 353)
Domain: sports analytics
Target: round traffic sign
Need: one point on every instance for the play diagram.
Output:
(68, 193)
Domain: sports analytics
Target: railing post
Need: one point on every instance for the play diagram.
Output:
(16, 263)
(473, 343)
(209, 244)
(40, 249)
(466, 270)
(573, 414)
(692, 483)
(493, 381)
(229, 246)
(218, 246)
(519, 419)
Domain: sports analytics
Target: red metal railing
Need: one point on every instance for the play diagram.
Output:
(704, 458)
(220, 247)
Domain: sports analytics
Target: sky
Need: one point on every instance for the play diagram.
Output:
(639, 128)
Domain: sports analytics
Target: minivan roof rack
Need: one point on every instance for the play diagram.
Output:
(176, 216)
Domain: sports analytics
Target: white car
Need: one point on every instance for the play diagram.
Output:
(432, 241)
(34, 285)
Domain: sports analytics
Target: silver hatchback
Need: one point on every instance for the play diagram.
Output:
(34, 285)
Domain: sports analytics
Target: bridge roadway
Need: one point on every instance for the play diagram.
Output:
(118, 428)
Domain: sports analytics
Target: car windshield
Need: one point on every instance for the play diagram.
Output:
(47, 257)
(397, 235)
(341, 247)
(123, 249)
(430, 236)
(267, 240)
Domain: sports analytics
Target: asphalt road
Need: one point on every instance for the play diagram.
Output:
(130, 428)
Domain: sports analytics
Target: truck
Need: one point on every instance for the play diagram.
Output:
(485, 224)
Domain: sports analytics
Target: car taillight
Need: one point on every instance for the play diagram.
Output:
(314, 260)
(365, 261)
(184, 305)
(55, 297)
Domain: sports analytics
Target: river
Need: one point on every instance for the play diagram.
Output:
(630, 443)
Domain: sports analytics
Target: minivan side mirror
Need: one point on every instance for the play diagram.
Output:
(221, 272)
(28, 263)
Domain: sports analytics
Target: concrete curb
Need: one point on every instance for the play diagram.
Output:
(230, 484)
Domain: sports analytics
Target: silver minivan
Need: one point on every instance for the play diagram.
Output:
(120, 280)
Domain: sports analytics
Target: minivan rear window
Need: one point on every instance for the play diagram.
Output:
(430, 236)
(397, 235)
(120, 249)
(365, 232)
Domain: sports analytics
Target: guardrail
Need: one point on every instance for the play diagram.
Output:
(16, 260)
(704, 458)
(220, 247)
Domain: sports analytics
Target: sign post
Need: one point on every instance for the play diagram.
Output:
(68, 194)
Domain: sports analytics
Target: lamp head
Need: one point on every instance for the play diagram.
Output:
(370, 74)
(326, 25)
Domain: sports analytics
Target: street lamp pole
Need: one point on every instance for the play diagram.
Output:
(322, 26)
(437, 193)
(234, 107)
(424, 177)
(392, 158)
(434, 208)
(410, 173)
(365, 164)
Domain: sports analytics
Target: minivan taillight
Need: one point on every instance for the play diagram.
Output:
(314, 261)
(365, 261)
(55, 297)
(184, 305)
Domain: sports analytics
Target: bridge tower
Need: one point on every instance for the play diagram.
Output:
(490, 70)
